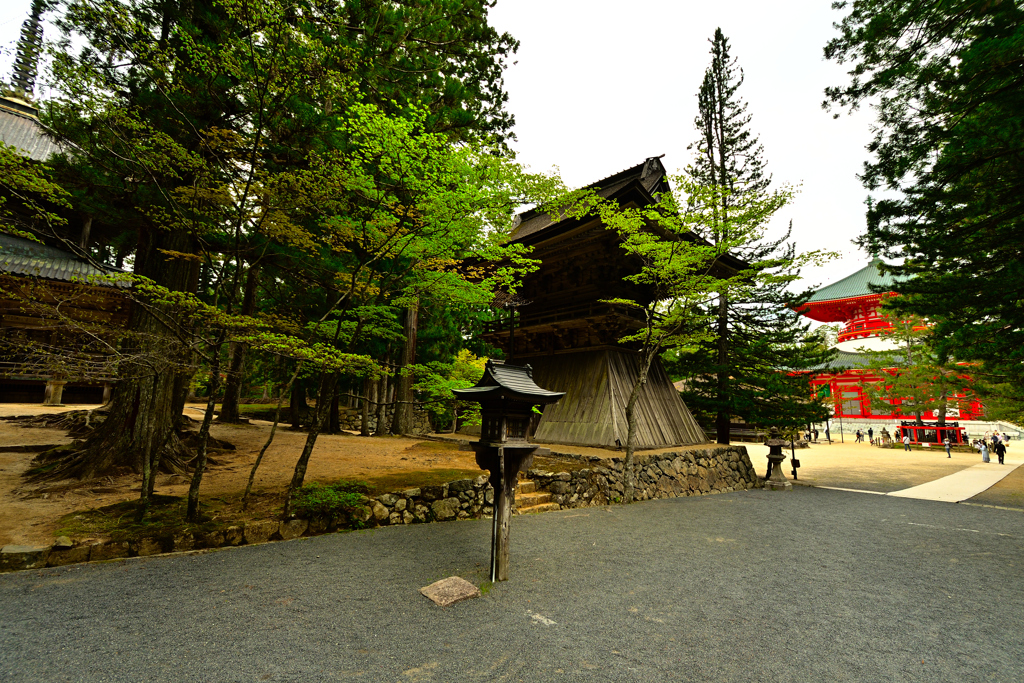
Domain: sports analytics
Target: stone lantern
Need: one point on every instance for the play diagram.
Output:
(507, 395)
(776, 480)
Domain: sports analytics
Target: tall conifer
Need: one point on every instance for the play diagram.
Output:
(748, 370)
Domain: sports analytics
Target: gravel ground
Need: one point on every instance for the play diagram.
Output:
(807, 585)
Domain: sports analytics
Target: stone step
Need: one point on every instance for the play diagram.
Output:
(543, 507)
(528, 499)
(526, 486)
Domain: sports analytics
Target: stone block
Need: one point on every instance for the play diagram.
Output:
(450, 591)
(63, 543)
(412, 493)
(144, 547)
(408, 517)
(563, 476)
(460, 486)
(489, 497)
(388, 499)
(395, 518)
(233, 535)
(380, 513)
(420, 512)
(293, 528)
(62, 556)
(111, 550)
(401, 504)
(445, 509)
(260, 532)
(183, 542)
(480, 481)
(558, 487)
(209, 539)
(431, 493)
(14, 557)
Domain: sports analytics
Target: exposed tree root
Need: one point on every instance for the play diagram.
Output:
(87, 459)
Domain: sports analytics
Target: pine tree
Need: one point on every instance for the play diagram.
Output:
(757, 335)
(946, 83)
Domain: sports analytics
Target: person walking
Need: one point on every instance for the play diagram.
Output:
(984, 452)
(906, 442)
(1000, 449)
(860, 437)
(871, 435)
(815, 435)
(946, 442)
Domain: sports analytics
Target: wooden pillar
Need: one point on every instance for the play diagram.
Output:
(54, 393)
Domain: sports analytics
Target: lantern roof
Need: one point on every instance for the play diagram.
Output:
(501, 381)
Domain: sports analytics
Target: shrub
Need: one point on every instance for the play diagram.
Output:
(330, 500)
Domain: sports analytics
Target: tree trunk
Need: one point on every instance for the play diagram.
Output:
(628, 475)
(382, 399)
(270, 438)
(402, 419)
(723, 419)
(369, 387)
(148, 397)
(192, 512)
(297, 405)
(334, 420)
(327, 384)
(233, 384)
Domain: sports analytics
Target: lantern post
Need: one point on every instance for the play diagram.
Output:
(507, 395)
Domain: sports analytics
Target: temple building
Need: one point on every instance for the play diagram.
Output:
(853, 304)
(56, 312)
(560, 324)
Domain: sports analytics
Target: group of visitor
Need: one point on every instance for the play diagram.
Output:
(996, 443)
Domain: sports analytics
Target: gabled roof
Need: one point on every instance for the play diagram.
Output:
(649, 175)
(508, 381)
(20, 256)
(20, 129)
(857, 284)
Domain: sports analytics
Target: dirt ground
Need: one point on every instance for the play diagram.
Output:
(29, 516)
(390, 463)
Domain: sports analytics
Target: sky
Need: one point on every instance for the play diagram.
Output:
(598, 87)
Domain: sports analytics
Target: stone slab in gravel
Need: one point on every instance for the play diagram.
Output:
(450, 591)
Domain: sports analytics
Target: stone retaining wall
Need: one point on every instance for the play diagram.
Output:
(352, 419)
(666, 475)
(695, 472)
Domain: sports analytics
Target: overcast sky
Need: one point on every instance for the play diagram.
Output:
(600, 86)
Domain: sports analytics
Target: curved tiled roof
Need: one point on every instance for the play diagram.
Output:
(20, 129)
(508, 381)
(857, 284)
(20, 256)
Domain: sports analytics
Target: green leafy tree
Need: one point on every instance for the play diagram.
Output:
(757, 335)
(946, 83)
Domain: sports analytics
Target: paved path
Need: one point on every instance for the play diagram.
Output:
(953, 488)
(962, 485)
(803, 586)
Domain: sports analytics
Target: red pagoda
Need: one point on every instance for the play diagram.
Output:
(852, 303)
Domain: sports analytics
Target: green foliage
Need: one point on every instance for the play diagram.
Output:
(436, 382)
(28, 194)
(329, 500)
(944, 80)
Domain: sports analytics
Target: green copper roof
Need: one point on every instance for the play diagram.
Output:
(857, 284)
